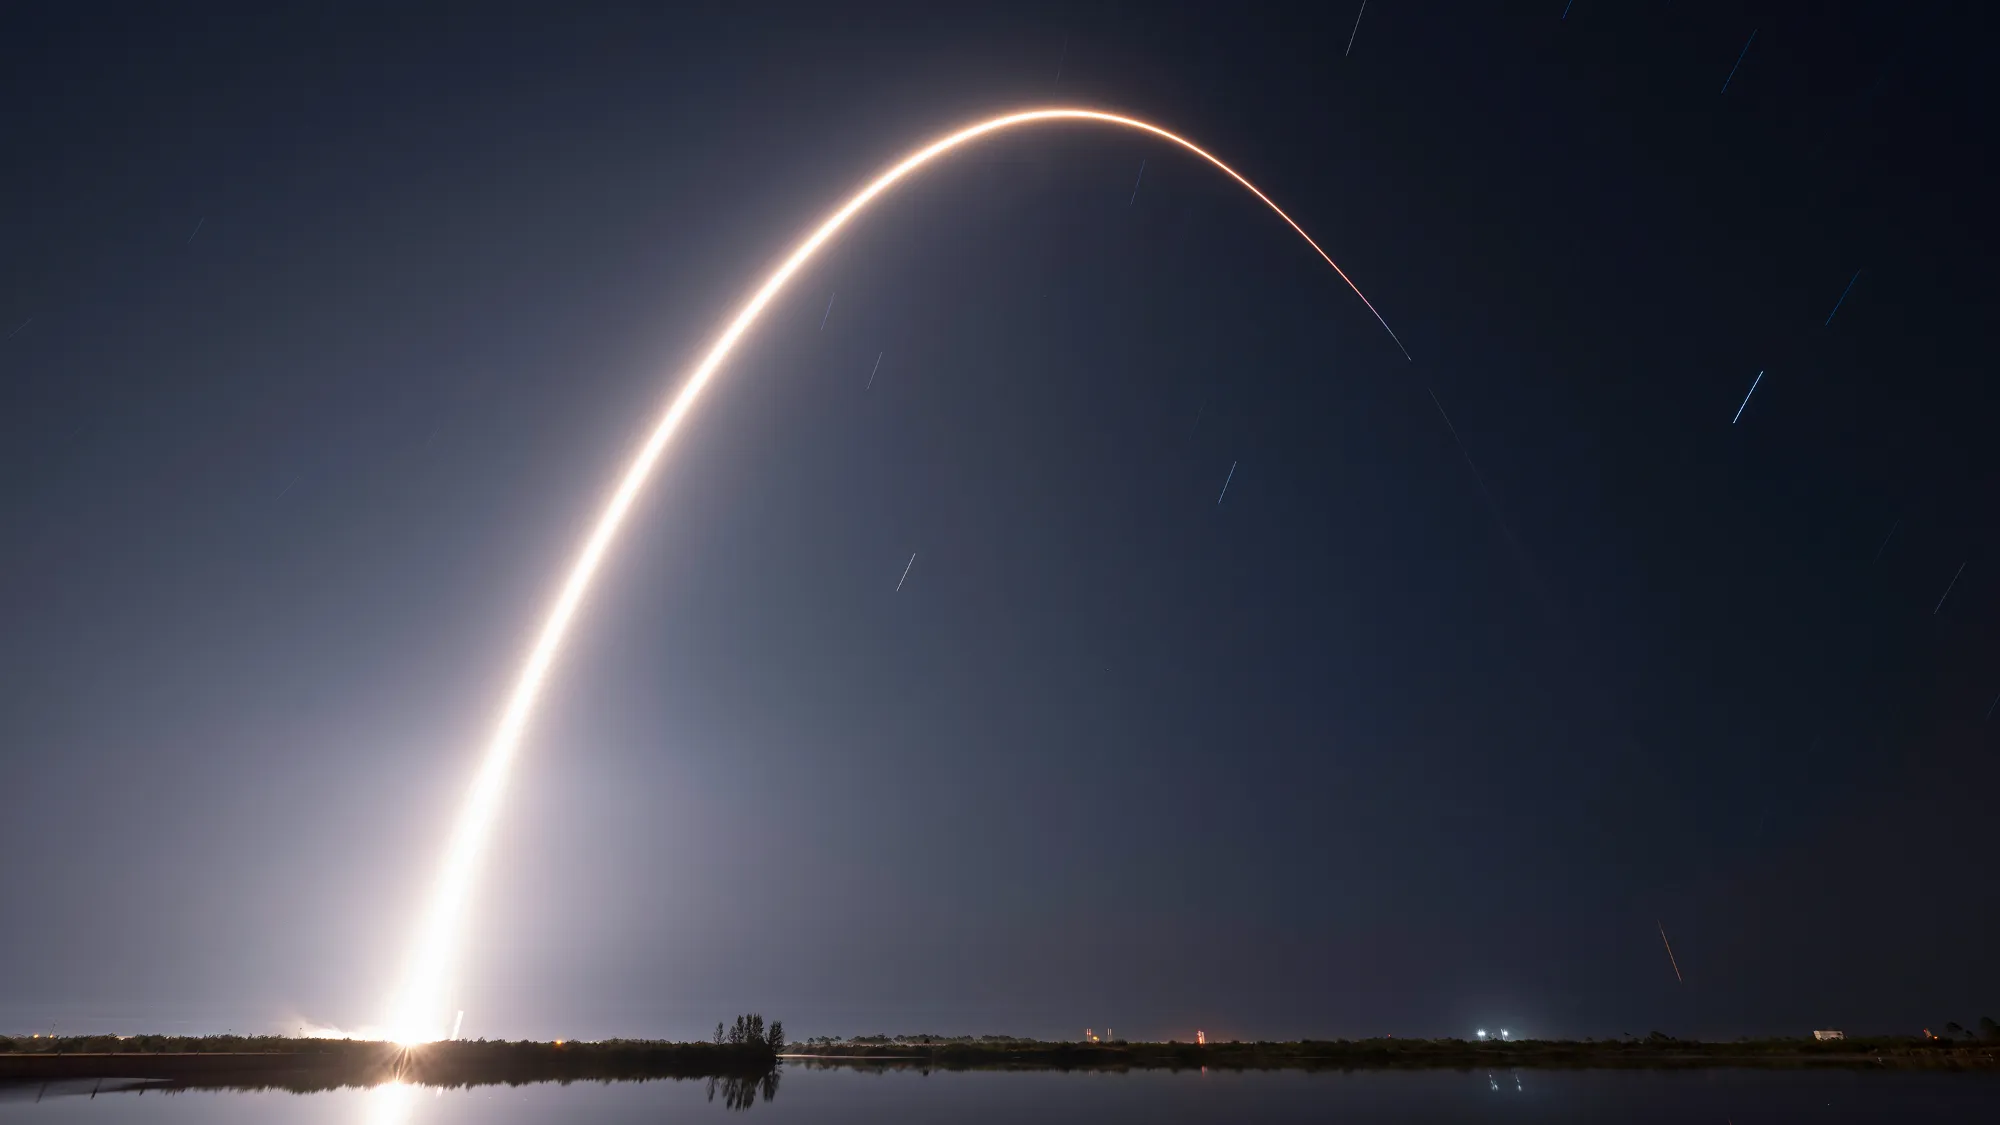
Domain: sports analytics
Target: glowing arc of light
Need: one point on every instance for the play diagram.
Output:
(422, 999)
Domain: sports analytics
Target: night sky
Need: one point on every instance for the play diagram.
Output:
(326, 333)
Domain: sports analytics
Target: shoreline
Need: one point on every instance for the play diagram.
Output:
(304, 1065)
(1405, 1054)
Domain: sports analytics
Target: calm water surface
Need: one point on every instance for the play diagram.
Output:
(898, 1097)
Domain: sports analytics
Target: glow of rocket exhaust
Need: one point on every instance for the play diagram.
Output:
(423, 999)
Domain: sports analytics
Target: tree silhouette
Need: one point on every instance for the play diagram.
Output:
(748, 1031)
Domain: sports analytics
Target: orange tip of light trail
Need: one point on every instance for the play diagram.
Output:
(422, 1003)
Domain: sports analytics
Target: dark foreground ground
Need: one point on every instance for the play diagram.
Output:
(316, 1064)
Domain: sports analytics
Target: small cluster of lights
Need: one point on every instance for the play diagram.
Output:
(1504, 1034)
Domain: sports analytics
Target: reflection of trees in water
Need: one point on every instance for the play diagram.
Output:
(76, 1087)
(741, 1091)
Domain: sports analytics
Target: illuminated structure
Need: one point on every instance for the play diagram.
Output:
(1824, 1036)
(423, 999)
(1200, 1038)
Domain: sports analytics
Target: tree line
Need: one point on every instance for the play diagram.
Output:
(750, 1031)
(1988, 1030)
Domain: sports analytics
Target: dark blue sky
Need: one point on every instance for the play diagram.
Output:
(335, 329)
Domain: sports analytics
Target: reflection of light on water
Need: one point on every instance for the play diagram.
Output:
(391, 1103)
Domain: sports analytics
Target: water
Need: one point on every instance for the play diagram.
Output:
(877, 1097)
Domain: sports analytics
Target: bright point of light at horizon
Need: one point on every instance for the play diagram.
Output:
(423, 1001)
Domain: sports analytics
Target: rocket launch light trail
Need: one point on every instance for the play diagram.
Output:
(422, 1001)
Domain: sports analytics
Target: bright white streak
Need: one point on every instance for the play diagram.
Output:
(1740, 406)
(906, 572)
(423, 997)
